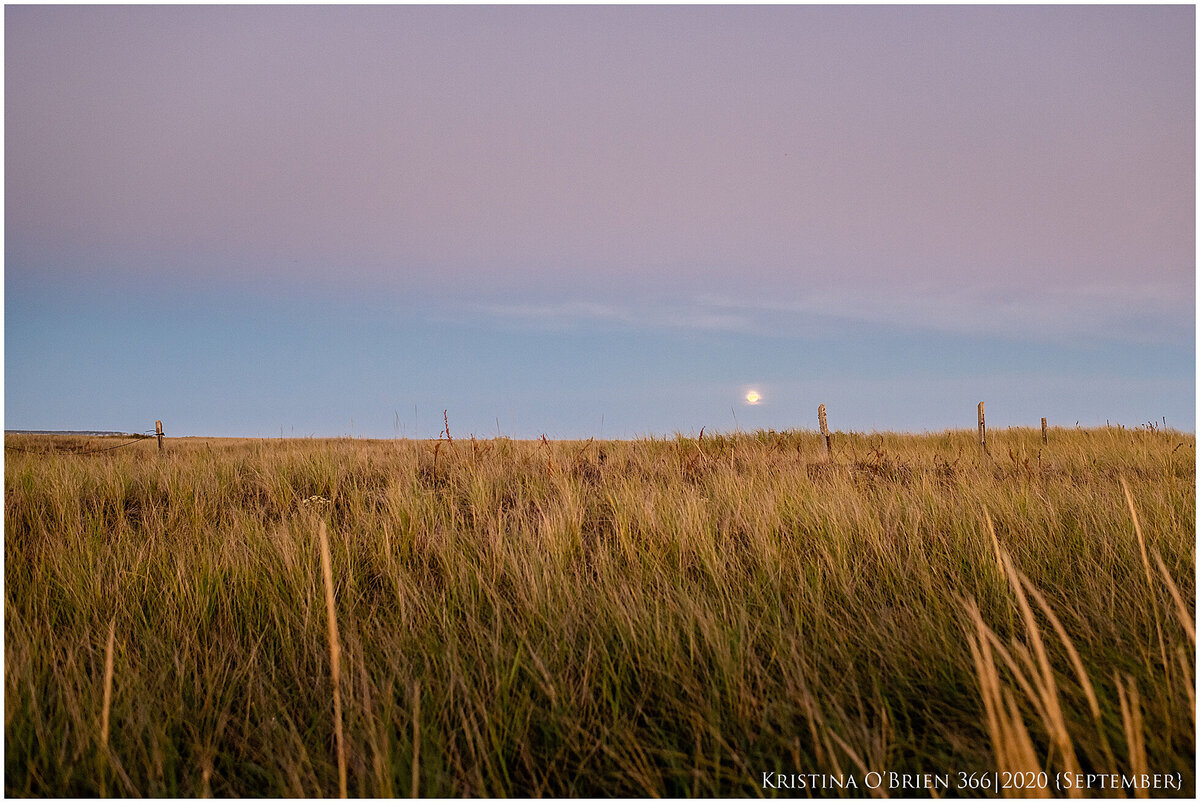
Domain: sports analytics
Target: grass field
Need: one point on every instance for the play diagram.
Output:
(654, 617)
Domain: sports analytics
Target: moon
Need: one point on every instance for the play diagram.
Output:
(753, 397)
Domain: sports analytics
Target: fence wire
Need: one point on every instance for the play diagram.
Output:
(141, 436)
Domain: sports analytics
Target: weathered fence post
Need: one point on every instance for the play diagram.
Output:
(982, 429)
(824, 431)
(1043, 429)
(159, 434)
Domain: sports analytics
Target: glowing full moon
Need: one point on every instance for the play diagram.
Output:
(753, 397)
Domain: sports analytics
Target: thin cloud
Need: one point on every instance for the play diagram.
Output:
(1138, 313)
(573, 314)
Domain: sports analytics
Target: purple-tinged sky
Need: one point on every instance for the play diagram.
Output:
(554, 216)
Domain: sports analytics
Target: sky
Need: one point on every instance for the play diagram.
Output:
(597, 221)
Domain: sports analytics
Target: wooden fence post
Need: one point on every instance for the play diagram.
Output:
(824, 431)
(159, 435)
(982, 429)
(1043, 429)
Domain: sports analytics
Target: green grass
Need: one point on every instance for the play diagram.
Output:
(657, 617)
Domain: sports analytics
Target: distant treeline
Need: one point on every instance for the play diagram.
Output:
(92, 432)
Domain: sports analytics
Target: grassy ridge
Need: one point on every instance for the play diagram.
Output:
(659, 617)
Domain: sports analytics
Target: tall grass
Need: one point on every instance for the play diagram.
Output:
(656, 617)
(335, 652)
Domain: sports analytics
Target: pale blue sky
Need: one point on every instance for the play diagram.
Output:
(597, 221)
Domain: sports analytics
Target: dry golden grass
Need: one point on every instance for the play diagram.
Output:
(656, 617)
(335, 653)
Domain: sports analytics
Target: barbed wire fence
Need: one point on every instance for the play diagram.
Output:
(139, 437)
